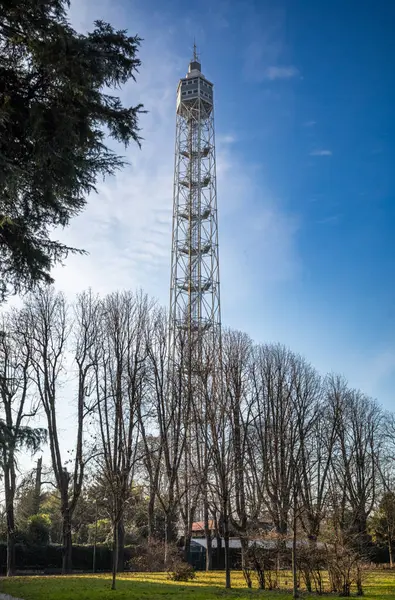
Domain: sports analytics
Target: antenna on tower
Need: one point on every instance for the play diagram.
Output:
(195, 52)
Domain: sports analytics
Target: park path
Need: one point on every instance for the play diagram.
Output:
(7, 597)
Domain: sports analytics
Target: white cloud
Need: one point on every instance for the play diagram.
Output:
(321, 153)
(265, 28)
(331, 220)
(126, 227)
(309, 123)
(226, 139)
(273, 72)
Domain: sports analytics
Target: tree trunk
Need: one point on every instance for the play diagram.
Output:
(167, 537)
(390, 554)
(283, 525)
(169, 532)
(220, 564)
(359, 583)
(244, 561)
(227, 560)
(187, 546)
(226, 549)
(9, 498)
(115, 554)
(209, 553)
(10, 553)
(294, 565)
(207, 535)
(121, 546)
(346, 590)
(37, 487)
(294, 545)
(151, 518)
(9, 488)
(67, 547)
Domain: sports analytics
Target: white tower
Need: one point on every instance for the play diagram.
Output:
(194, 287)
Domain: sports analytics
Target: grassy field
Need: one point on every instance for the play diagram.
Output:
(155, 586)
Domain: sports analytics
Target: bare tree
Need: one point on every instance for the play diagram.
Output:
(356, 454)
(49, 329)
(237, 350)
(387, 459)
(17, 408)
(315, 463)
(120, 385)
(218, 439)
(171, 404)
(209, 374)
(155, 338)
(275, 428)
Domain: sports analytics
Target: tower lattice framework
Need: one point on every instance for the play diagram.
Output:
(195, 284)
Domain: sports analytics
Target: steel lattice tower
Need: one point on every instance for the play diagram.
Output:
(195, 286)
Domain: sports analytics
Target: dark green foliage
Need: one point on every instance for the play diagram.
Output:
(12, 439)
(49, 557)
(38, 529)
(54, 116)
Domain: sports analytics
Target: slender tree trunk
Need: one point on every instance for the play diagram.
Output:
(115, 554)
(10, 553)
(95, 540)
(9, 501)
(67, 544)
(121, 546)
(359, 583)
(207, 534)
(294, 564)
(219, 564)
(283, 525)
(346, 590)
(37, 487)
(244, 561)
(151, 517)
(187, 542)
(166, 539)
(226, 549)
(390, 553)
(169, 531)
(294, 545)
(209, 553)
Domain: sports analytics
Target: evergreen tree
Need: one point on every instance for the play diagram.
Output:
(54, 116)
(383, 524)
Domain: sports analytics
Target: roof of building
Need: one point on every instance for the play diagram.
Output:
(235, 543)
(198, 526)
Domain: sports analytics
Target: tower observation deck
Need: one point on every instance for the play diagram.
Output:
(194, 286)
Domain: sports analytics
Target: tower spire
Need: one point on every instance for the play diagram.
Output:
(195, 53)
(195, 64)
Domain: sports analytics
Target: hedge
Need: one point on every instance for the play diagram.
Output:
(49, 558)
(38, 558)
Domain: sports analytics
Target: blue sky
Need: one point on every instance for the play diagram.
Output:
(304, 95)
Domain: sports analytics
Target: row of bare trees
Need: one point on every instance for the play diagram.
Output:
(256, 437)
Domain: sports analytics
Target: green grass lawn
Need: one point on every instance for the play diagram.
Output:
(155, 586)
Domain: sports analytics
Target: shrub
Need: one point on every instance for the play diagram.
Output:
(38, 528)
(263, 562)
(181, 571)
(151, 557)
(346, 569)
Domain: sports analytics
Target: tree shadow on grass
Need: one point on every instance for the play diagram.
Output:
(84, 587)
